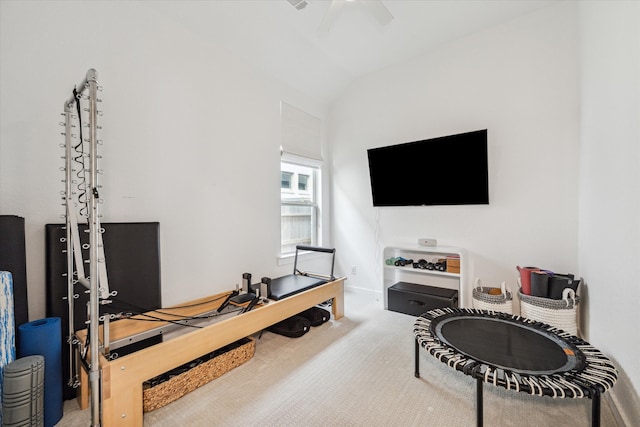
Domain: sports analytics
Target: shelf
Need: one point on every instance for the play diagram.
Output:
(440, 279)
(421, 271)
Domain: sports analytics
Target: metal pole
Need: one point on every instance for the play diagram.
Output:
(94, 229)
(74, 249)
(417, 359)
(595, 409)
(68, 206)
(479, 409)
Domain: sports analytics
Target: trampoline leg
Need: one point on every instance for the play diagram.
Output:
(595, 410)
(417, 359)
(479, 414)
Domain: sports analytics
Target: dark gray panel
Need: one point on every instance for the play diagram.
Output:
(132, 254)
(13, 259)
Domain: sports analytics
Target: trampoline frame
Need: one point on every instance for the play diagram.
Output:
(594, 376)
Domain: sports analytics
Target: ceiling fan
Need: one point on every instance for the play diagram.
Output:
(375, 7)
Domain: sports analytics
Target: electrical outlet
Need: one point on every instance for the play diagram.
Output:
(427, 241)
(353, 270)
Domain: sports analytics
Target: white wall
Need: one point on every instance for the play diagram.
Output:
(191, 138)
(519, 81)
(563, 160)
(185, 121)
(610, 188)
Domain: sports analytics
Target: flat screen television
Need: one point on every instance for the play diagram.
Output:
(448, 170)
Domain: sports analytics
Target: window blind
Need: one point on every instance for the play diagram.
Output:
(301, 133)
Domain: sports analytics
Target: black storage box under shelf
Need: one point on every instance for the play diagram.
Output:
(414, 299)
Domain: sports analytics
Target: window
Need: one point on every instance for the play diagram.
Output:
(285, 183)
(299, 209)
(300, 201)
(303, 182)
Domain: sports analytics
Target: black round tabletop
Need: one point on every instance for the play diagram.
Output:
(514, 352)
(507, 344)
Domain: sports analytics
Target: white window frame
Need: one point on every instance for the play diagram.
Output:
(316, 203)
(291, 179)
(306, 184)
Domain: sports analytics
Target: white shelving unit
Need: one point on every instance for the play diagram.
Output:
(393, 274)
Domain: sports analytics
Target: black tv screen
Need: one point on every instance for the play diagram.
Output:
(449, 170)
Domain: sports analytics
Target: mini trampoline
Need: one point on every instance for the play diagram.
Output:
(515, 353)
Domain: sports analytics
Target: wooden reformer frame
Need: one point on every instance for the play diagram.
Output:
(112, 386)
(122, 378)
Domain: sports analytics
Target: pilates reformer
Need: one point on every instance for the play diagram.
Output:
(123, 378)
(111, 385)
(515, 353)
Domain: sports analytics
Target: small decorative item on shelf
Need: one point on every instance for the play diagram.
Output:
(493, 299)
(452, 264)
(398, 261)
(423, 264)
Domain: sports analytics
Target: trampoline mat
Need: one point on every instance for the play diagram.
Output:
(507, 344)
(514, 352)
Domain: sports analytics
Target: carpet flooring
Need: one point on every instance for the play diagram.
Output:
(355, 371)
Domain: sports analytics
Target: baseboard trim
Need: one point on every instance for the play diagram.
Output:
(624, 402)
(372, 293)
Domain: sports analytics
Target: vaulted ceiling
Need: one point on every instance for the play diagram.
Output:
(290, 44)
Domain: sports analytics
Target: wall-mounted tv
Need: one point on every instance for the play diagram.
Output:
(449, 170)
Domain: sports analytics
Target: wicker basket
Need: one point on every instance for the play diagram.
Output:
(559, 313)
(482, 300)
(172, 385)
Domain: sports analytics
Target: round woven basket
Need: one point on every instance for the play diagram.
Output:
(482, 300)
(559, 313)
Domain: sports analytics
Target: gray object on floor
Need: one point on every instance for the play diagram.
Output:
(23, 392)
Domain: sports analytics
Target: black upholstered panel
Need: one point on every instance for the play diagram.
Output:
(13, 259)
(292, 284)
(132, 254)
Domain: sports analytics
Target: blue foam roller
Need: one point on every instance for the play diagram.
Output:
(7, 331)
(44, 337)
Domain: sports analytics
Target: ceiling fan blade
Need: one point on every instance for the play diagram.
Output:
(330, 16)
(379, 11)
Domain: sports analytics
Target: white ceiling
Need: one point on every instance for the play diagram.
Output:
(272, 35)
